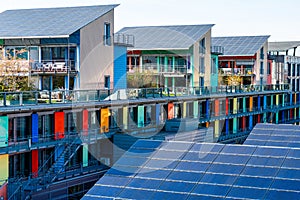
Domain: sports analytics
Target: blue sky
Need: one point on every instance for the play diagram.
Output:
(277, 18)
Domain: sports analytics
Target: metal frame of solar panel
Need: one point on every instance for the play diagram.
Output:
(219, 171)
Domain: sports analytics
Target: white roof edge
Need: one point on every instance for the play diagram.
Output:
(237, 55)
(35, 37)
(157, 49)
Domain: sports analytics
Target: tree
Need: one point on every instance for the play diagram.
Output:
(141, 80)
(14, 72)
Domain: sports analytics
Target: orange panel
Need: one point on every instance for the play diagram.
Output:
(226, 106)
(250, 103)
(85, 122)
(104, 122)
(59, 125)
(3, 191)
(217, 109)
(34, 163)
(170, 110)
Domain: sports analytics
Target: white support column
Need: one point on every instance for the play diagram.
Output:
(40, 54)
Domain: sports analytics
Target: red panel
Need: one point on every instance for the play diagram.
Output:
(217, 109)
(59, 125)
(226, 106)
(244, 123)
(134, 52)
(258, 118)
(34, 163)
(3, 191)
(170, 110)
(236, 57)
(291, 113)
(85, 122)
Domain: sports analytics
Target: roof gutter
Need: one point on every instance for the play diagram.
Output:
(35, 37)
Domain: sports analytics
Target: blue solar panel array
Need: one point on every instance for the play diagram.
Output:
(184, 170)
(47, 22)
(166, 37)
(282, 135)
(240, 45)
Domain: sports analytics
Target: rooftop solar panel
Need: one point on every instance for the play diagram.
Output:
(47, 22)
(240, 45)
(166, 37)
(228, 171)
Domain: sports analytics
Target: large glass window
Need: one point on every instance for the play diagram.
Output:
(107, 36)
(214, 69)
(202, 47)
(261, 67)
(202, 65)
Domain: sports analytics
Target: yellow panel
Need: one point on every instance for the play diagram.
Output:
(184, 110)
(277, 99)
(217, 129)
(3, 168)
(234, 105)
(104, 122)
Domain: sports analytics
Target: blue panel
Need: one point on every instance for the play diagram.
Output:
(291, 163)
(207, 147)
(254, 182)
(177, 186)
(275, 194)
(114, 180)
(204, 157)
(291, 98)
(147, 144)
(123, 170)
(105, 190)
(271, 151)
(289, 173)
(245, 193)
(282, 115)
(231, 159)
(294, 153)
(219, 179)
(260, 171)
(35, 127)
(202, 197)
(135, 194)
(265, 102)
(238, 149)
(192, 166)
(153, 173)
(162, 154)
(207, 108)
(265, 161)
(227, 126)
(286, 185)
(258, 101)
(225, 168)
(251, 122)
(120, 67)
(144, 183)
(185, 176)
(211, 189)
(131, 161)
(167, 164)
(168, 195)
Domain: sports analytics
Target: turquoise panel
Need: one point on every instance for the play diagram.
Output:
(141, 116)
(3, 131)
(85, 155)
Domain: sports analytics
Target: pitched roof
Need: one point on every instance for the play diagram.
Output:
(48, 22)
(166, 37)
(283, 46)
(240, 45)
(185, 170)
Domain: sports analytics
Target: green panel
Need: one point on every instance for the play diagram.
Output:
(125, 117)
(271, 101)
(165, 52)
(1, 42)
(277, 99)
(141, 116)
(3, 131)
(158, 63)
(85, 155)
(265, 118)
(234, 125)
(3, 168)
(282, 99)
(277, 118)
(196, 109)
(244, 104)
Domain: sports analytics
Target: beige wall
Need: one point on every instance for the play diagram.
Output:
(96, 59)
(257, 65)
(207, 58)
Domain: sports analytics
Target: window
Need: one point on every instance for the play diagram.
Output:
(262, 56)
(261, 67)
(269, 68)
(202, 47)
(201, 65)
(107, 82)
(107, 36)
(213, 66)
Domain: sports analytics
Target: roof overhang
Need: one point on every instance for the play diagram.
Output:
(34, 37)
(157, 49)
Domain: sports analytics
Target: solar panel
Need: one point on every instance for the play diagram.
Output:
(240, 45)
(212, 172)
(166, 37)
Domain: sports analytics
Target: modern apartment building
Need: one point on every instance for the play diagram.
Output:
(69, 48)
(175, 56)
(244, 61)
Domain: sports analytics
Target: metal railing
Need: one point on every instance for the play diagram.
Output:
(124, 39)
(77, 96)
(219, 50)
(235, 71)
(154, 68)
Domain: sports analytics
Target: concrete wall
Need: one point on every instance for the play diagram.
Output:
(96, 59)
(207, 58)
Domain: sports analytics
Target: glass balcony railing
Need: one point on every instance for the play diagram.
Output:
(235, 71)
(53, 66)
(153, 68)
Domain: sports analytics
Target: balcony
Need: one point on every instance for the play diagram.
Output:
(155, 69)
(219, 50)
(124, 40)
(47, 66)
(236, 71)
